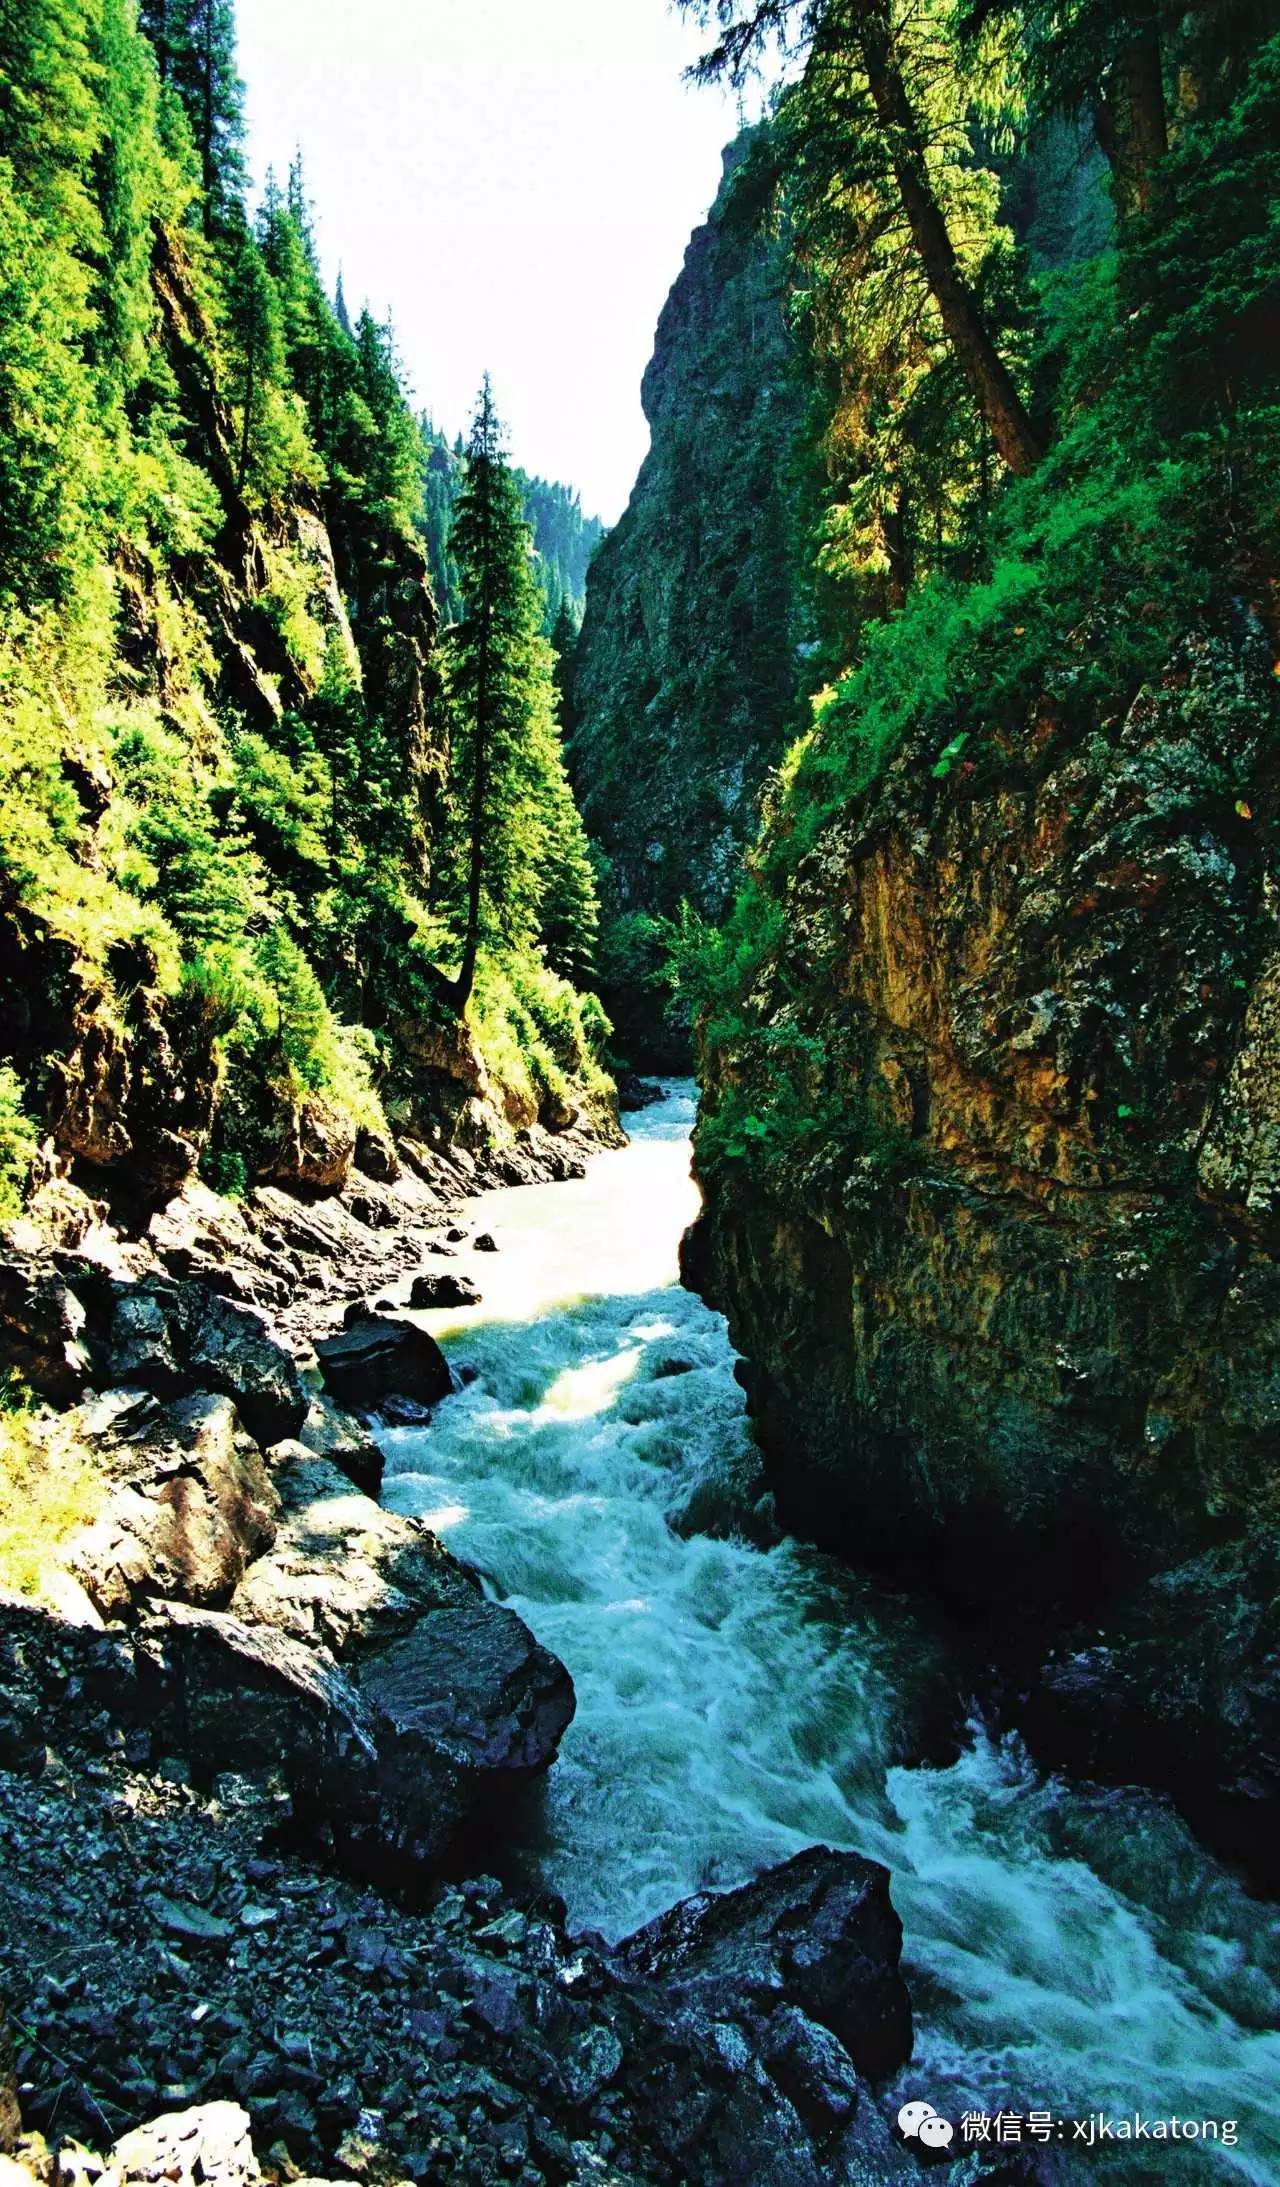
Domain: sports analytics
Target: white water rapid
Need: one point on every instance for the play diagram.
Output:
(1068, 1949)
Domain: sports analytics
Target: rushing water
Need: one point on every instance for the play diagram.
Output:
(1068, 1950)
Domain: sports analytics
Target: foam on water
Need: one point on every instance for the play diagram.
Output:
(1068, 1949)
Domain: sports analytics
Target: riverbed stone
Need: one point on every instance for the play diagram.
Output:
(382, 1357)
(819, 1932)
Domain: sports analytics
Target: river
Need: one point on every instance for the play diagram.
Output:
(1069, 1950)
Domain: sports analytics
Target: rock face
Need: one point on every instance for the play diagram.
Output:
(1012, 1317)
(1001, 1255)
(692, 663)
(192, 1506)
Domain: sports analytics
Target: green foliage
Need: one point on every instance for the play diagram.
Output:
(223, 756)
(19, 1139)
(1055, 599)
(516, 871)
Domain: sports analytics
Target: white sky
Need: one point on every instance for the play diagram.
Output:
(515, 181)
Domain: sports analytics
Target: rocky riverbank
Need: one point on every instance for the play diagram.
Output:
(251, 1722)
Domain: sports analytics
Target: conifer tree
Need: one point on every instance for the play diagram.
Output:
(894, 71)
(195, 47)
(520, 860)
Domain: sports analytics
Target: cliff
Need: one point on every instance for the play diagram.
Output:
(989, 1135)
(694, 652)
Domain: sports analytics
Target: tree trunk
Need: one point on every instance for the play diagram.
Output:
(966, 329)
(1130, 122)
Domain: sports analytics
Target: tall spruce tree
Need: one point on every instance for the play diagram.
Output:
(195, 48)
(521, 870)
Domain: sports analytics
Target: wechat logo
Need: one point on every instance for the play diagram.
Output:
(920, 2122)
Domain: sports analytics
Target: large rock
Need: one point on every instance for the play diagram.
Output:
(42, 1331)
(443, 1290)
(232, 1696)
(383, 1357)
(163, 1335)
(332, 1433)
(313, 1148)
(359, 1660)
(818, 1934)
(473, 1683)
(342, 1572)
(191, 1507)
(208, 2146)
(1181, 1688)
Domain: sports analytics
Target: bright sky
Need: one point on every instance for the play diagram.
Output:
(515, 181)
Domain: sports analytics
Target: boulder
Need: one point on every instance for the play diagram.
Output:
(376, 1156)
(42, 1331)
(231, 1348)
(381, 1357)
(486, 1242)
(473, 1683)
(1181, 1689)
(314, 1148)
(443, 1290)
(208, 2146)
(635, 1092)
(818, 1933)
(343, 1573)
(340, 1437)
(226, 1695)
(163, 1335)
(192, 1506)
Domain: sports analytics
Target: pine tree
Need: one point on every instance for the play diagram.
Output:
(893, 90)
(564, 641)
(195, 47)
(520, 860)
(340, 312)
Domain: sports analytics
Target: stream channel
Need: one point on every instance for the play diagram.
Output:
(1069, 1950)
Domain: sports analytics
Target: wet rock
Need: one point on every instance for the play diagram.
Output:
(485, 1243)
(819, 1933)
(382, 1357)
(404, 1412)
(635, 1092)
(473, 1683)
(191, 1507)
(337, 1435)
(42, 1331)
(443, 1290)
(1181, 1689)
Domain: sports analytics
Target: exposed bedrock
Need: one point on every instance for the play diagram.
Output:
(1008, 1295)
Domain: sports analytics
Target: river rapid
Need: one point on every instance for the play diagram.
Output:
(1069, 1950)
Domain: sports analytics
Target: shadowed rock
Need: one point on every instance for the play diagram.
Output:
(383, 1357)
